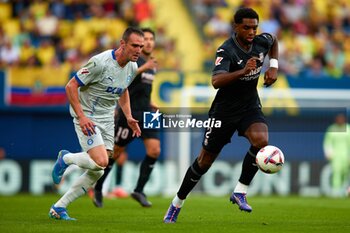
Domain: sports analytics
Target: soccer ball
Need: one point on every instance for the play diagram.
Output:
(270, 159)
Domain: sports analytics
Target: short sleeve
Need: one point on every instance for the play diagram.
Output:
(268, 38)
(134, 70)
(89, 73)
(222, 62)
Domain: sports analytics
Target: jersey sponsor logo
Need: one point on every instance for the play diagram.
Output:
(254, 74)
(218, 61)
(128, 79)
(115, 90)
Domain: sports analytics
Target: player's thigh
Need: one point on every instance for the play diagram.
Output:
(89, 141)
(254, 127)
(216, 138)
(107, 131)
(123, 134)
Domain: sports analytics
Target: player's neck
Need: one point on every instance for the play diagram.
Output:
(146, 56)
(122, 60)
(243, 45)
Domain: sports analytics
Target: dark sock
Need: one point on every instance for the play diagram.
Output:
(119, 173)
(193, 175)
(99, 183)
(249, 167)
(145, 172)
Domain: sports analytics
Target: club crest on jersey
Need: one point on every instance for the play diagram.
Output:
(128, 78)
(90, 141)
(218, 61)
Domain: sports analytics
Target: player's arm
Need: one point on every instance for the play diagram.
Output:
(226, 78)
(124, 103)
(271, 74)
(327, 145)
(149, 65)
(85, 123)
(153, 105)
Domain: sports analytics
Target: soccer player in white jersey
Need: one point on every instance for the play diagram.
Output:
(93, 94)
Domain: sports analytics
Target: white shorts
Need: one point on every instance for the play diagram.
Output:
(104, 136)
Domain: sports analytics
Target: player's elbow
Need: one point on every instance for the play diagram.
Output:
(215, 83)
(72, 84)
(68, 87)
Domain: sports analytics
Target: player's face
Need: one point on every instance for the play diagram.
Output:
(133, 47)
(246, 31)
(149, 43)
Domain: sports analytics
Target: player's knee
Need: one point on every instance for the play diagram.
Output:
(153, 152)
(101, 163)
(206, 159)
(204, 166)
(260, 142)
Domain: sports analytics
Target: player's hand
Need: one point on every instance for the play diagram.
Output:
(87, 126)
(133, 124)
(270, 76)
(151, 64)
(153, 106)
(250, 65)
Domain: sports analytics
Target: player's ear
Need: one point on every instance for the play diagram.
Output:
(122, 43)
(232, 22)
(234, 26)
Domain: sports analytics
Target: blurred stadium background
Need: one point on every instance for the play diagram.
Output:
(42, 43)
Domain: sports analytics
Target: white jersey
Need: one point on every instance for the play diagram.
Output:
(102, 81)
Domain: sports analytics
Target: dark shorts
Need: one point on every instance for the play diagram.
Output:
(216, 138)
(123, 133)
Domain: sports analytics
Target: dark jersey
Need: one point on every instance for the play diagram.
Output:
(241, 95)
(140, 90)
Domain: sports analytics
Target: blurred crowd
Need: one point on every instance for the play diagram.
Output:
(68, 32)
(314, 35)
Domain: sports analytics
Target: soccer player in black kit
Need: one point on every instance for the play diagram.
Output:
(238, 64)
(140, 101)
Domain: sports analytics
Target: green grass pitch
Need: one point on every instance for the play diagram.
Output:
(26, 213)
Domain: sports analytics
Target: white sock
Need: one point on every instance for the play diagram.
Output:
(82, 160)
(79, 187)
(177, 202)
(72, 169)
(241, 188)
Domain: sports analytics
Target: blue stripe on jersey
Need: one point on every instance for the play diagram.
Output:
(78, 80)
(113, 54)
